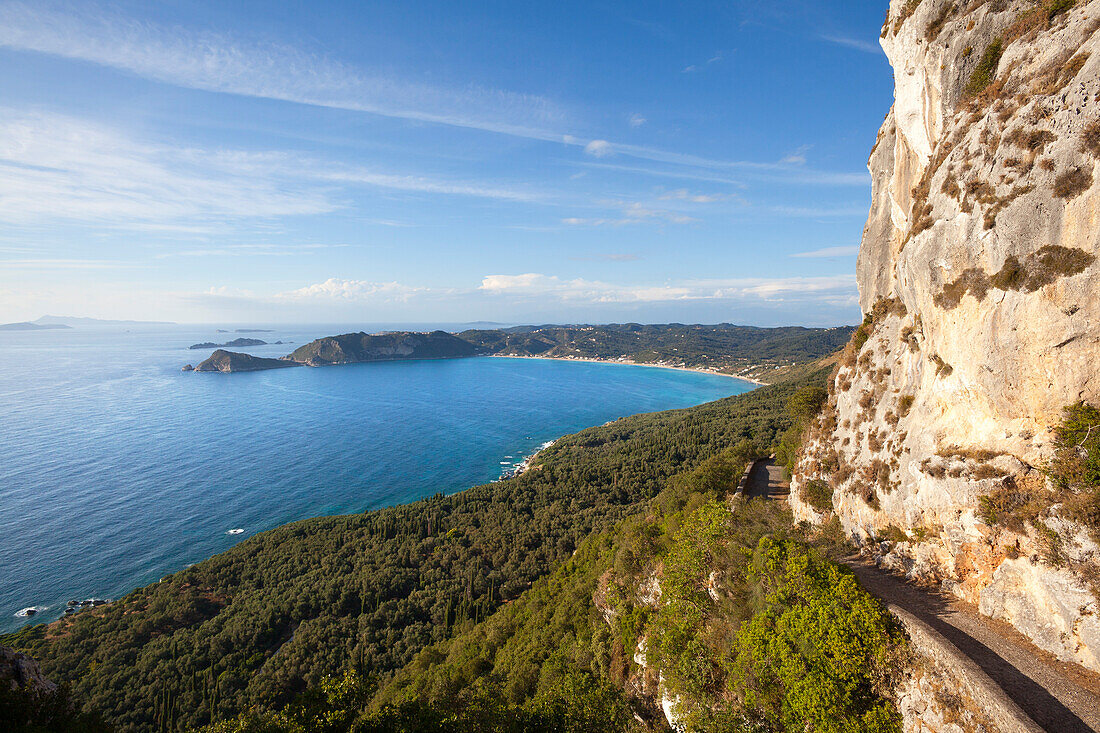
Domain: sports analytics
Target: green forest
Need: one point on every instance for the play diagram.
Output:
(722, 346)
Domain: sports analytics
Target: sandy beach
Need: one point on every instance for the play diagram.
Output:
(634, 363)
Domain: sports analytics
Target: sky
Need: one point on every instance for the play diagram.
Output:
(302, 162)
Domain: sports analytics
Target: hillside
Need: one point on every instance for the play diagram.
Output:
(281, 611)
(960, 441)
(744, 350)
(765, 354)
(352, 348)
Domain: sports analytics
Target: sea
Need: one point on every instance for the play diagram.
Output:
(117, 468)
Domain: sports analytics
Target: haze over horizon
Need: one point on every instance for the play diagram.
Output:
(430, 162)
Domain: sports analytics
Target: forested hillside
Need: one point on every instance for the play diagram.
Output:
(722, 346)
(716, 609)
(276, 615)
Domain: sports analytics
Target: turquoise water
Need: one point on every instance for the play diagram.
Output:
(116, 468)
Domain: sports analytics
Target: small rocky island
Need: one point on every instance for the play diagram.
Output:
(234, 361)
(349, 348)
(234, 344)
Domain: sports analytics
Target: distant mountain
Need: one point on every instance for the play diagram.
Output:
(76, 321)
(31, 326)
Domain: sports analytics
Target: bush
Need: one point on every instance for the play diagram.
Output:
(1090, 138)
(986, 70)
(1076, 464)
(1073, 183)
(811, 610)
(818, 494)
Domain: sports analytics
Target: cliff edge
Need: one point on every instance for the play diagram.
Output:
(978, 277)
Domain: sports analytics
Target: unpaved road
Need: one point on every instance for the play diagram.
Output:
(1059, 697)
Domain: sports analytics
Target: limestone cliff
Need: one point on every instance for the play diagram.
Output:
(979, 279)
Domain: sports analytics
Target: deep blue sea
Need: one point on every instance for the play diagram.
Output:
(116, 468)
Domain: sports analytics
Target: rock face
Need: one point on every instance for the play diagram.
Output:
(978, 274)
(351, 348)
(232, 361)
(18, 670)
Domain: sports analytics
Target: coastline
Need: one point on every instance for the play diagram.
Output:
(632, 363)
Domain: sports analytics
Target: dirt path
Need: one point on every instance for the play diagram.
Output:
(1059, 697)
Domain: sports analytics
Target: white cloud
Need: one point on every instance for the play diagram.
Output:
(636, 120)
(850, 251)
(591, 291)
(599, 148)
(220, 63)
(352, 290)
(835, 291)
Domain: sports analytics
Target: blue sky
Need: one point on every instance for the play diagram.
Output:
(437, 161)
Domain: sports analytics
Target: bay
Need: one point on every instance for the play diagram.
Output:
(116, 468)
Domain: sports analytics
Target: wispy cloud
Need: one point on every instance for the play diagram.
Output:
(632, 213)
(636, 120)
(222, 63)
(795, 157)
(695, 68)
(692, 168)
(820, 212)
(226, 64)
(54, 167)
(609, 257)
(682, 194)
(251, 250)
(856, 43)
(63, 264)
(849, 251)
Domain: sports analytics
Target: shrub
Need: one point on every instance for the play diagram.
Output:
(813, 610)
(943, 369)
(1057, 7)
(895, 534)
(1011, 506)
(1076, 462)
(1090, 138)
(986, 70)
(938, 22)
(818, 494)
(905, 404)
(806, 402)
(1072, 183)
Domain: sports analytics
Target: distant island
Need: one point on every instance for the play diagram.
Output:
(235, 343)
(71, 321)
(759, 354)
(31, 326)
